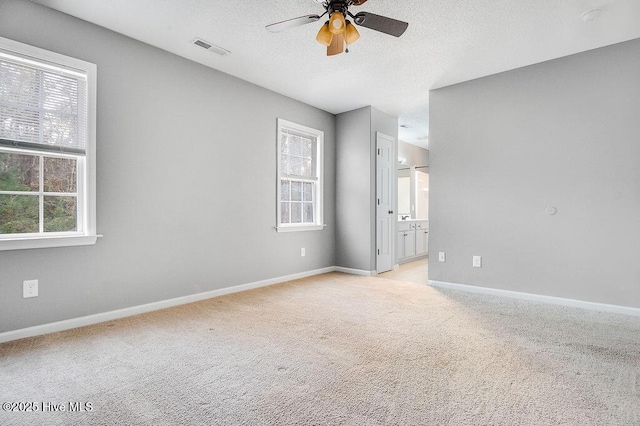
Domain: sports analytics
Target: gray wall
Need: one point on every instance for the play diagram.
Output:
(186, 171)
(414, 155)
(564, 133)
(356, 185)
(353, 189)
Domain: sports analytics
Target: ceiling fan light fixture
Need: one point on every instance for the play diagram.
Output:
(324, 35)
(338, 33)
(337, 45)
(351, 34)
(337, 23)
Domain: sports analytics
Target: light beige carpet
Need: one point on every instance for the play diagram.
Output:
(336, 349)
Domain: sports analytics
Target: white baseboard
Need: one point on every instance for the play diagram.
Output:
(413, 258)
(616, 309)
(149, 307)
(355, 271)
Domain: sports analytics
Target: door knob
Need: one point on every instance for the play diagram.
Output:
(390, 211)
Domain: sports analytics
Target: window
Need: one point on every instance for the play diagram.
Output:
(299, 177)
(47, 148)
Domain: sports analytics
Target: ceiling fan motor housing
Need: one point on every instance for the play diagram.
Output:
(337, 6)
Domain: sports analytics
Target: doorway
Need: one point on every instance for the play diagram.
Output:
(412, 221)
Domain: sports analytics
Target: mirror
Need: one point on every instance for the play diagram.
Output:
(404, 196)
(422, 195)
(413, 193)
(413, 182)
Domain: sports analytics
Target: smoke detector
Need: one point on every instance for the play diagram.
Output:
(210, 46)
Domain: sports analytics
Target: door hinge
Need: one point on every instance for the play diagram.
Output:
(378, 151)
(378, 252)
(378, 201)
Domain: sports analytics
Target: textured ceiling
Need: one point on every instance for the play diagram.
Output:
(448, 41)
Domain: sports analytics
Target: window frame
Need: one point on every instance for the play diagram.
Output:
(318, 191)
(86, 174)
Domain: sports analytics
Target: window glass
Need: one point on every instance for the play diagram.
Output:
(19, 214)
(19, 172)
(60, 214)
(60, 174)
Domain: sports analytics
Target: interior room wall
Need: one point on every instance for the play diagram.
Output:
(186, 181)
(356, 184)
(353, 189)
(415, 155)
(503, 148)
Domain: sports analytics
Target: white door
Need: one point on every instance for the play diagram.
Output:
(385, 216)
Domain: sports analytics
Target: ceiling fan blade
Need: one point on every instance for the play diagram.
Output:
(290, 23)
(337, 45)
(358, 2)
(381, 23)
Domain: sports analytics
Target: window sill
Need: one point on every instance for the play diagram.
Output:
(47, 242)
(295, 228)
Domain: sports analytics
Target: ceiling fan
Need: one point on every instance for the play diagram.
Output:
(338, 31)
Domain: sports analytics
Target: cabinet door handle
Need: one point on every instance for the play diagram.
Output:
(390, 211)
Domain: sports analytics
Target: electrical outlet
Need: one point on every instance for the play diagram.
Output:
(29, 288)
(442, 256)
(302, 252)
(477, 261)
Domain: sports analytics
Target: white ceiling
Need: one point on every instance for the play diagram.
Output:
(448, 41)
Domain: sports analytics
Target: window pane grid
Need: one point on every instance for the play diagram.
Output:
(297, 157)
(25, 210)
(297, 205)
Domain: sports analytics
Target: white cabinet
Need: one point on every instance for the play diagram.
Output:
(400, 245)
(406, 244)
(422, 236)
(409, 243)
(411, 240)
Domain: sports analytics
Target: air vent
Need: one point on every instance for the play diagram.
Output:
(210, 46)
